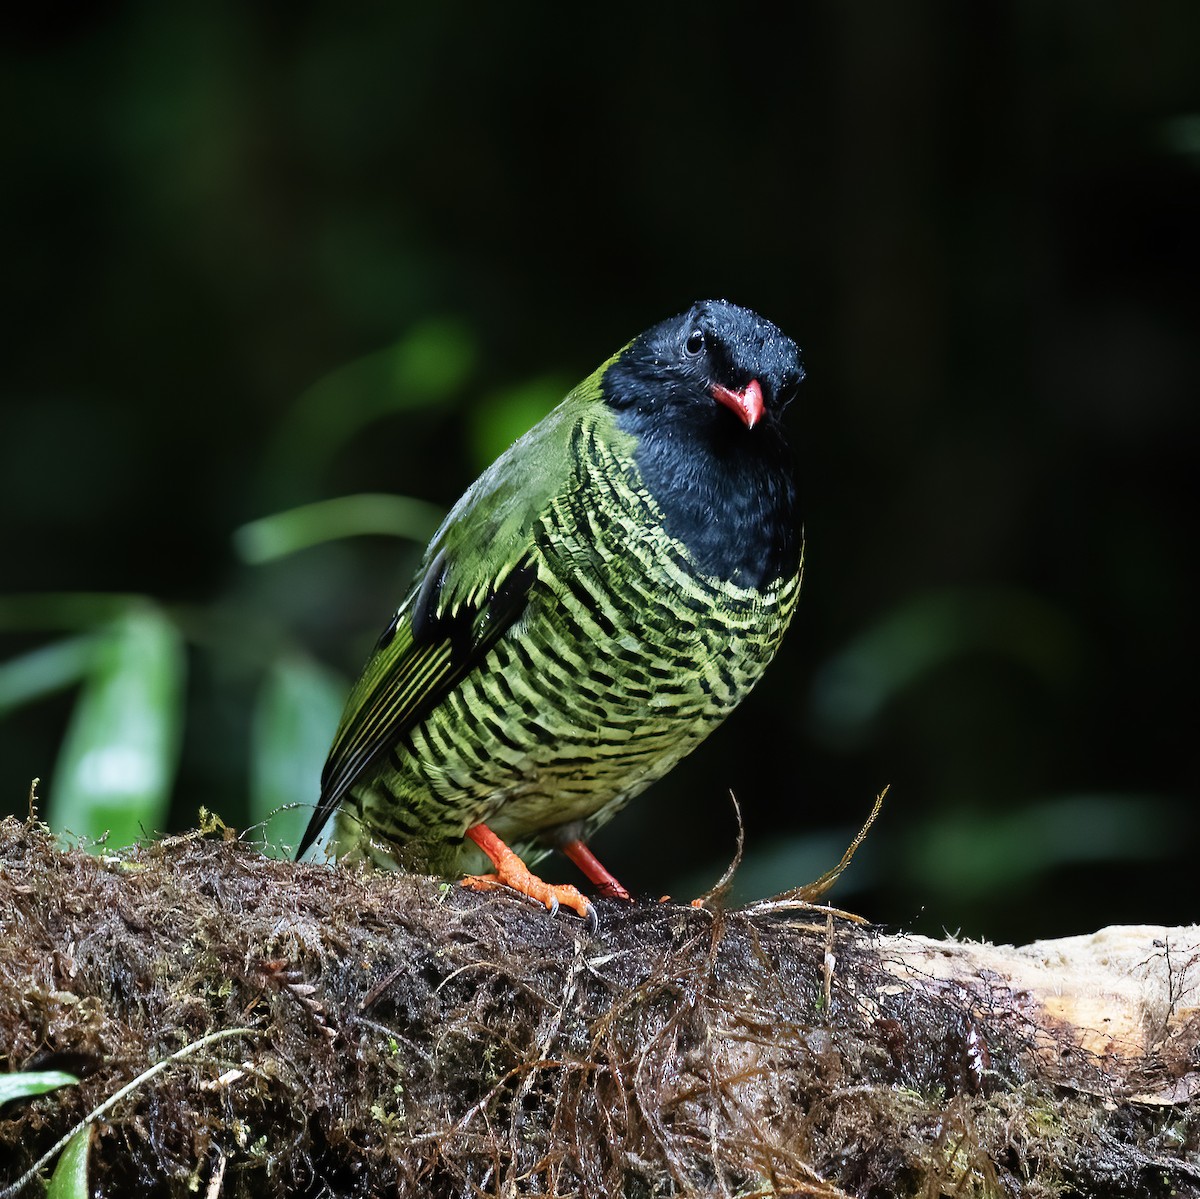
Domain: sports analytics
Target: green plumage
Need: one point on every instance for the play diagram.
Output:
(561, 648)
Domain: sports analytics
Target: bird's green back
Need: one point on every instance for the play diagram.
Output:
(491, 528)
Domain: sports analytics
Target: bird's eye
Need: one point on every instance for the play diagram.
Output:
(694, 343)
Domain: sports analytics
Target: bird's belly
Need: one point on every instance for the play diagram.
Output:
(571, 715)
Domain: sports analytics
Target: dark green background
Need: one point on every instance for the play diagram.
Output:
(980, 221)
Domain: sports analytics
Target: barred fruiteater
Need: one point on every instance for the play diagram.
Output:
(607, 592)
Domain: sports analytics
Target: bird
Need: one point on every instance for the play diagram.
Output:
(596, 603)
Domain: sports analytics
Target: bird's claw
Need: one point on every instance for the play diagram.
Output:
(510, 871)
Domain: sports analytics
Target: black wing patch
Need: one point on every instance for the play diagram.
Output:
(406, 679)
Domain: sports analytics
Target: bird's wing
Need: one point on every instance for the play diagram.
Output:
(472, 586)
(422, 656)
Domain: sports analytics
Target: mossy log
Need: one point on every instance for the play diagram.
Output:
(405, 1036)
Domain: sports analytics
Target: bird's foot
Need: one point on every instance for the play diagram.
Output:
(553, 895)
(512, 872)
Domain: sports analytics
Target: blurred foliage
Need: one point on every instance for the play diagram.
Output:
(425, 368)
(853, 689)
(117, 763)
(115, 770)
(284, 533)
(294, 722)
(282, 280)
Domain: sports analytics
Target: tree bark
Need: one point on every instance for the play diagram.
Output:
(405, 1036)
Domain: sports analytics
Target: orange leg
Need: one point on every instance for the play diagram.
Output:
(594, 869)
(512, 872)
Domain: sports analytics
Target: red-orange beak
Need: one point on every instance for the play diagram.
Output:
(747, 403)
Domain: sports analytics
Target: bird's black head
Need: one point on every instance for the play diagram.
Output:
(714, 366)
(702, 394)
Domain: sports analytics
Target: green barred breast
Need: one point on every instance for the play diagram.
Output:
(622, 660)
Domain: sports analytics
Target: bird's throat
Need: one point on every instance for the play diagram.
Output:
(729, 500)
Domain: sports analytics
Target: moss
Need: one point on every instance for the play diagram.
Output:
(412, 1038)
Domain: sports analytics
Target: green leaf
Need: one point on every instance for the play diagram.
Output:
(348, 516)
(294, 722)
(70, 1177)
(44, 671)
(33, 1082)
(117, 763)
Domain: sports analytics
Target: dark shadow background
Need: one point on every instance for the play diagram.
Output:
(981, 222)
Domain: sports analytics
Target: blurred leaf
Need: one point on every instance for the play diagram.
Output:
(853, 688)
(296, 716)
(424, 368)
(431, 362)
(118, 760)
(33, 1082)
(284, 533)
(70, 1177)
(503, 417)
(964, 854)
(63, 609)
(45, 670)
